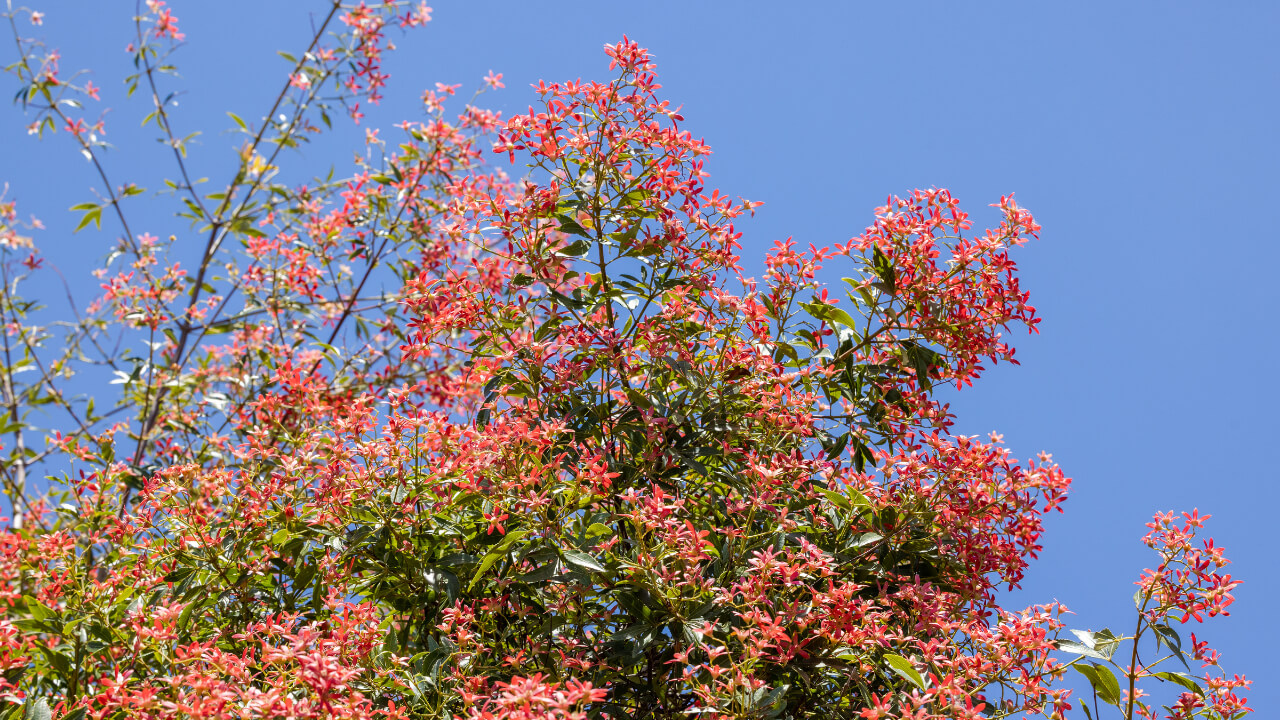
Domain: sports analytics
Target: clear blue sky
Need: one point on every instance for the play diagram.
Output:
(1142, 136)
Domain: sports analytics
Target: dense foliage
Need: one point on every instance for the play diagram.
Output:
(426, 441)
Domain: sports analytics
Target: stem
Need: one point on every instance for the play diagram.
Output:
(1133, 661)
(18, 489)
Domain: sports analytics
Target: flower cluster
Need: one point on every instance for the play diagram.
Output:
(1187, 580)
(421, 441)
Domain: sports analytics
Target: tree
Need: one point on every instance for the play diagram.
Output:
(423, 441)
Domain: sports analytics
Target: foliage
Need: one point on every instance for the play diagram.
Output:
(423, 441)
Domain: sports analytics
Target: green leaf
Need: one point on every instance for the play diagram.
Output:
(838, 498)
(785, 352)
(857, 498)
(841, 317)
(571, 226)
(1182, 679)
(496, 553)
(771, 698)
(863, 456)
(582, 561)
(922, 360)
(1103, 681)
(866, 539)
(1076, 648)
(1108, 678)
(1106, 643)
(904, 668)
(598, 529)
(539, 574)
(37, 710)
(1086, 637)
(94, 216)
(38, 610)
(238, 121)
(883, 267)
(632, 632)
(834, 449)
(1167, 635)
(576, 249)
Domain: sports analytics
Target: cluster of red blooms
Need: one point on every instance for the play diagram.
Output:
(368, 25)
(166, 25)
(570, 462)
(1188, 585)
(1187, 578)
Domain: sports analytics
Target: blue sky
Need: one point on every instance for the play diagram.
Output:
(1142, 136)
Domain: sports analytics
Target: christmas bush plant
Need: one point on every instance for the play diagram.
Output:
(427, 441)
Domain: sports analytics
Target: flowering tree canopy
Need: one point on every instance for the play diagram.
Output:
(428, 440)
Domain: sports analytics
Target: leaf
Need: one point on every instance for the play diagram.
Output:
(1112, 693)
(1103, 681)
(1170, 637)
(922, 360)
(866, 539)
(885, 270)
(785, 351)
(632, 632)
(835, 316)
(1182, 679)
(1101, 644)
(835, 448)
(93, 215)
(496, 553)
(863, 456)
(582, 561)
(836, 497)
(1086, 637)
(576, 249)
(904, 668)
(857, 498)
(37, 710)
(302, 578)
(238, 121)
(1106, 642)
(539, 574)
(571, 226)
(772, 697)
(598, 529)
(38, 610)
(1079, 649)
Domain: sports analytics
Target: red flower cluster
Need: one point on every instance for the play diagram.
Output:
(424, 442)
